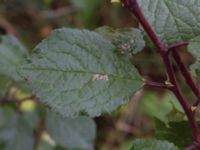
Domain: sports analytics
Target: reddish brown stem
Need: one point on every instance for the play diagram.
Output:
(186, 74)
(133, 6)
(156, 84)
(184, 70)
(196, 103)
(177, 45)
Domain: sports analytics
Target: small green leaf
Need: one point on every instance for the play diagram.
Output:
(127, 40)
(177, 132)
(173, 20)
(16, 131)
(140, 144)
(78, 72)
(165, 108)
(77, 133)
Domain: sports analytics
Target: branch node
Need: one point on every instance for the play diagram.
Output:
(193, 108)
(155, 84)
(169, 84)
(177, 45)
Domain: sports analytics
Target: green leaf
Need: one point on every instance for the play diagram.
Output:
(5, 82)
(73, 133)
(177, 132)
(78, 72)
(140, 144)
(16, 131)
(165, 108)
(173, 20)
(127, 40)
(12, 53)
(193, 48)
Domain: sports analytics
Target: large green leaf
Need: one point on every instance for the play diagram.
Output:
(12, 53)
(140, 144)
(78, 72)
(127, 40)
(177, 132)
(173, 20)
(194, 47)
(16, 131)
(73, 133)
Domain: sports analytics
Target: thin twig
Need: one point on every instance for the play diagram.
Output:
(186, 74)
(177, 45)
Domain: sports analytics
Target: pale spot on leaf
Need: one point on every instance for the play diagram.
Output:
(98, 77)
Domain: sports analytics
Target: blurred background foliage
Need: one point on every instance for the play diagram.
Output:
(32, 20)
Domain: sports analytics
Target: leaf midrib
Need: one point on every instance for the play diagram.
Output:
(84, 72)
